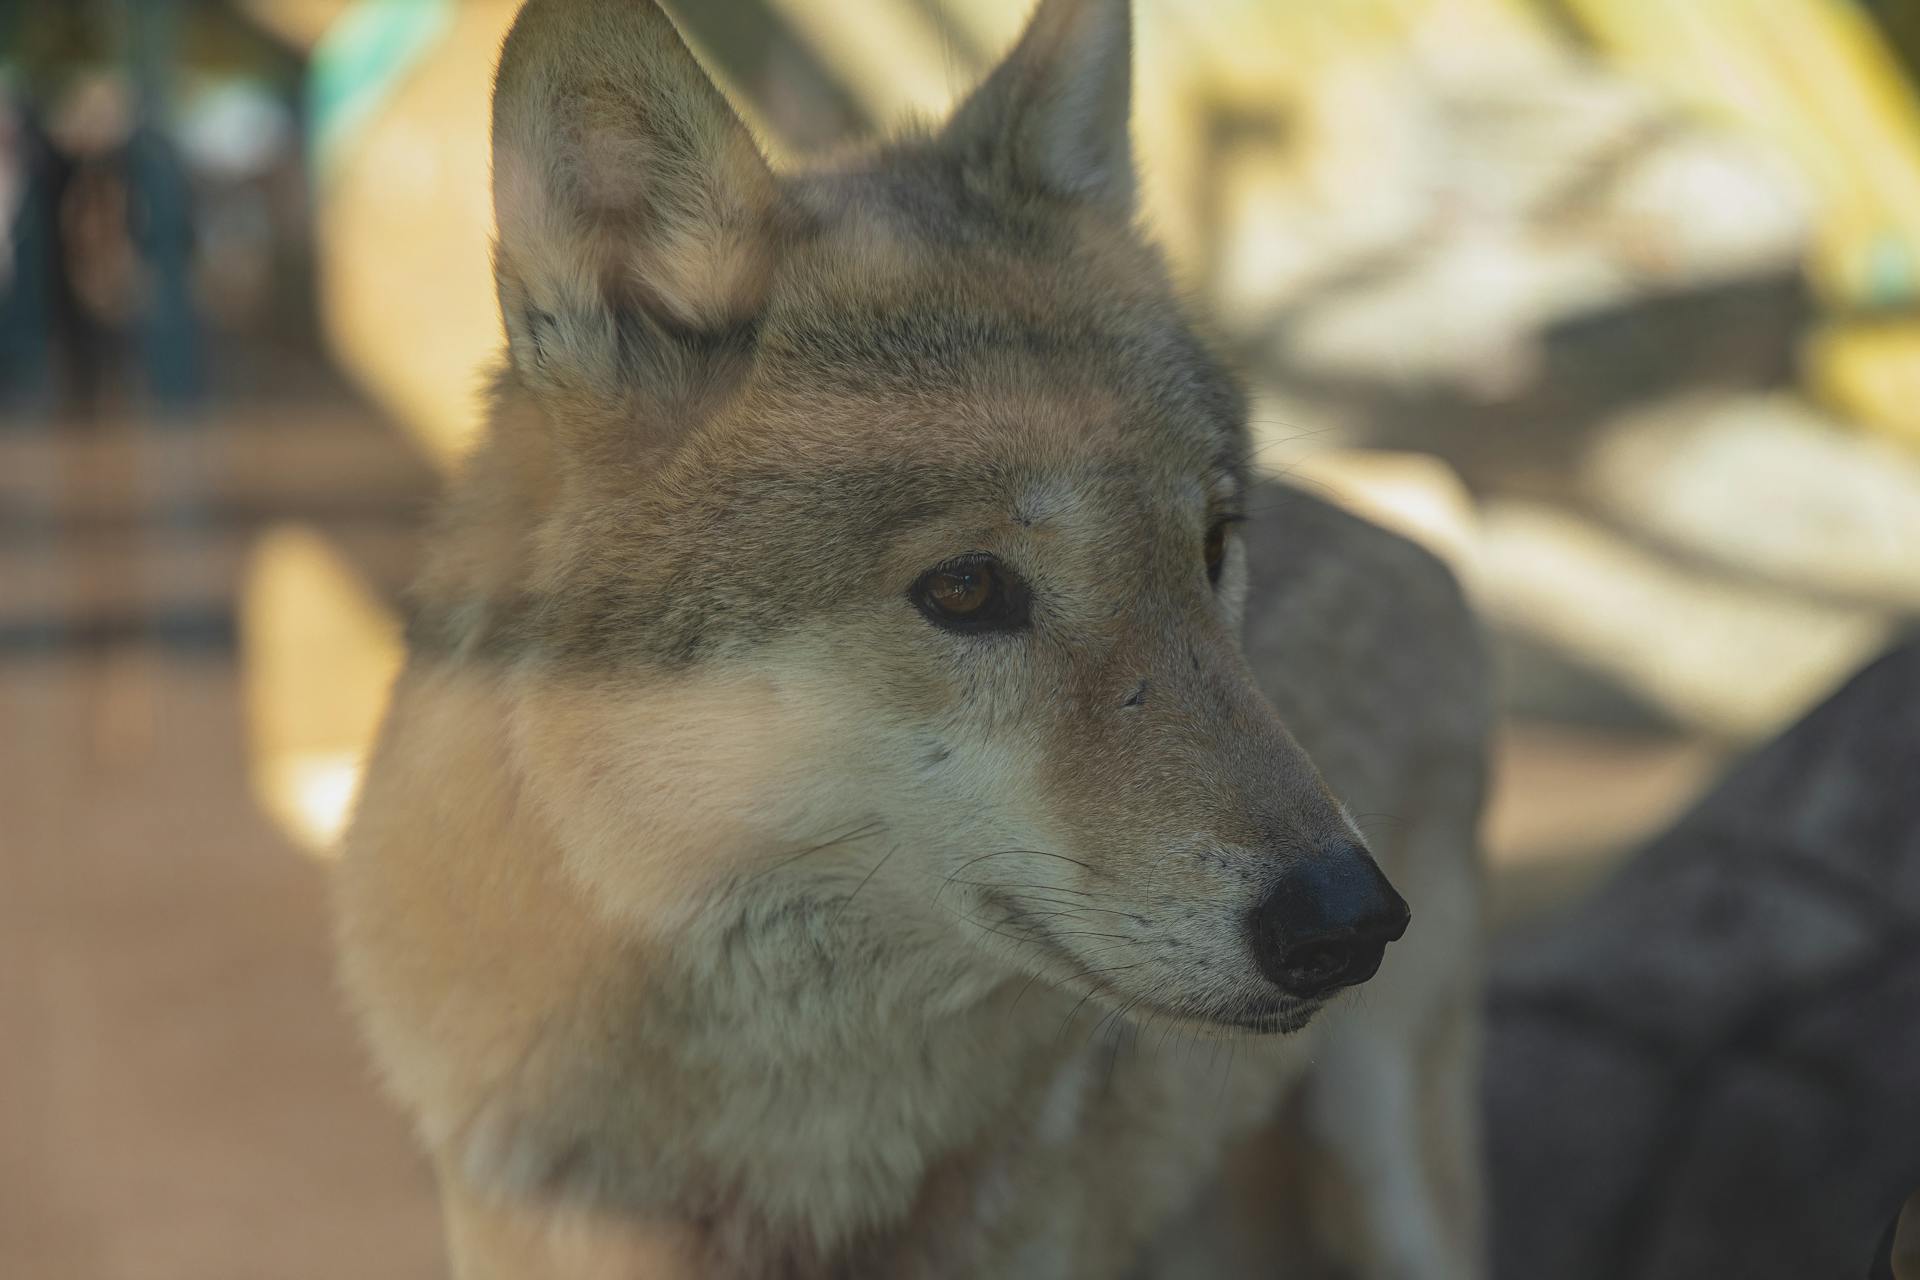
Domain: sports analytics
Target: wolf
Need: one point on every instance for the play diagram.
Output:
(851, 804)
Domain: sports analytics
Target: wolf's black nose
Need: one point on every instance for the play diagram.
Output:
(1327, 923)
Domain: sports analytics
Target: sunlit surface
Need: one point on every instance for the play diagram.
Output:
(319, 655)
(311, 796)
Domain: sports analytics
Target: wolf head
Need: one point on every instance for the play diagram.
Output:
(871, 567)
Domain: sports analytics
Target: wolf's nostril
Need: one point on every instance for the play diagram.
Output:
(1318, 960)
(1327, 924)
(1320, 968)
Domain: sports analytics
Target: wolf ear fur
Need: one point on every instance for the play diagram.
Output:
(1053, 116)
(634, 212)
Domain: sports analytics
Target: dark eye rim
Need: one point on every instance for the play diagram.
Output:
(1221, 524)
(1008, 608)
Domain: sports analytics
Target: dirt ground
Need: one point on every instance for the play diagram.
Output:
(181, 1094)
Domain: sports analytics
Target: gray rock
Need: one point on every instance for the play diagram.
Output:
(1712, 1067)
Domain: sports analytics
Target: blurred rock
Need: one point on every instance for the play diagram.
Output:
(1769, 487)
(1728, 658)
(1570, 804)
(1468, 311)
(1550, 191)
(1695, 205)
(1815, 79)
(1518, 246)
(1708, 1069)
(1540, 680)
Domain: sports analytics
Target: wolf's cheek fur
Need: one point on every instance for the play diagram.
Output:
(791, 777)
(665, 792)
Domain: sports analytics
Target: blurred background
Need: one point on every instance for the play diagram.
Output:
(1613, 303)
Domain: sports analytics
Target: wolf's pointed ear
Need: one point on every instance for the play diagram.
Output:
(1054, 114)
(634, 211)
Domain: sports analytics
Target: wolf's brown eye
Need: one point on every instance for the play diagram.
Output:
(961, 591)
(972, 593)
(1216, 550)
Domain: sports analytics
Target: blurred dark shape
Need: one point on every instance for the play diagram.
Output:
(154, 205)
(102, 236)
(1706, 1069)
(1898, 1257)
(1591, 367)
(160, 216)
(160, 225)
(36, 298)
(1900, 21)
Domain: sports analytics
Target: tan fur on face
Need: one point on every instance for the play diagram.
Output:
(664, 794)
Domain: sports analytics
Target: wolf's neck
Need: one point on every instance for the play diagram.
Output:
(838, 1091)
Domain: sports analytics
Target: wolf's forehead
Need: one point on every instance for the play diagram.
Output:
(908, 195)
(889, 411)
(1038, 357)
(951, 331)
(910, 275)
(875, 483)
(1022, 424)
(1120, 491)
